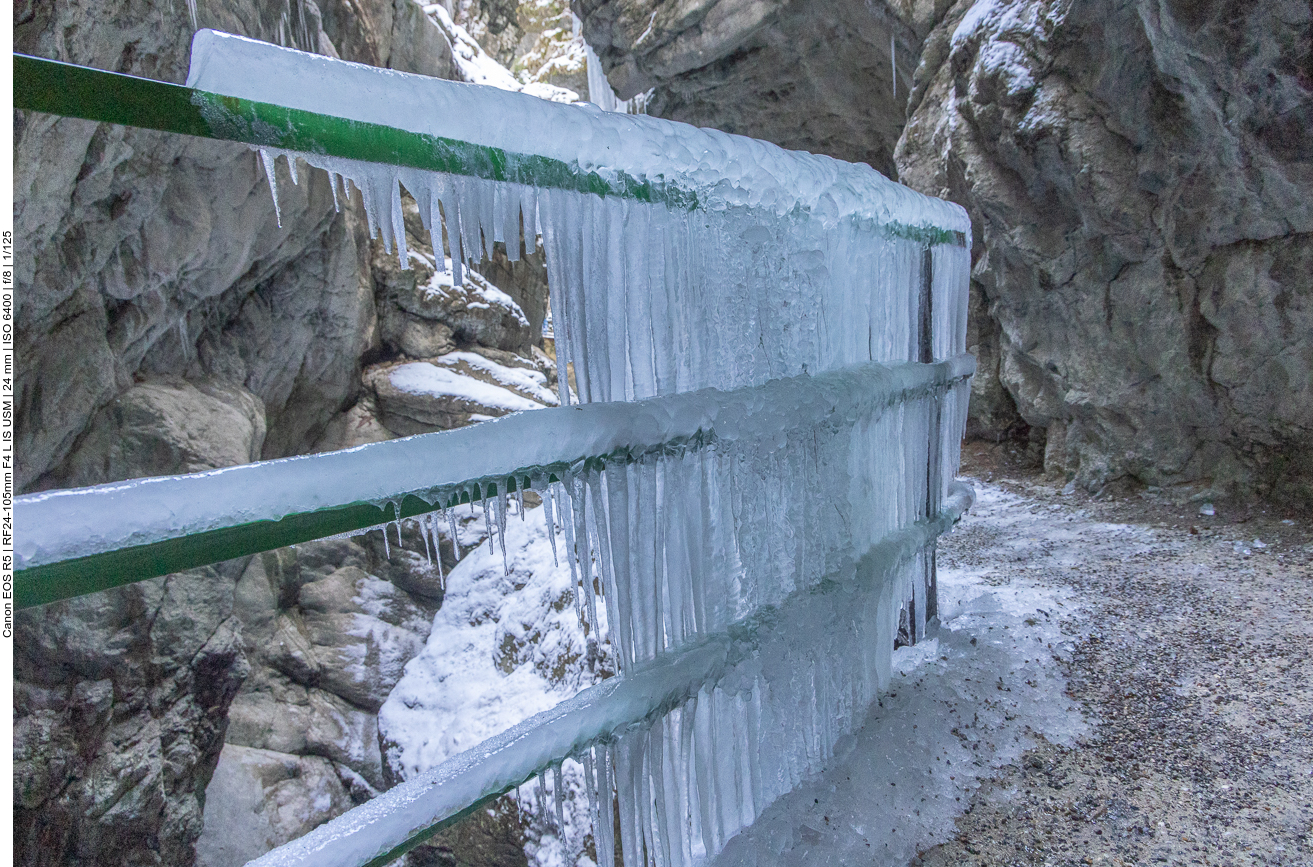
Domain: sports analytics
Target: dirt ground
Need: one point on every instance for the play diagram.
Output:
(1196, 674)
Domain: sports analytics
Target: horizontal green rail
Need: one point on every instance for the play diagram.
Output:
(69, 543)
(65, 579)
(377, 832)
(110, 97)
(70, 90)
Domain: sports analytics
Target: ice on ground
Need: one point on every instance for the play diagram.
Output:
(426, 378)
(972, 698)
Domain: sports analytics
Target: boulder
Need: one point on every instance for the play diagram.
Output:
(168, 425)
(271, 796)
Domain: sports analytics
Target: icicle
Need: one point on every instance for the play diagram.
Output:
(268, 160)
(437, 551)
(550, 522)
(455, 538)
(558, 790)
(399, 225)
(519, 497)
(604, 829)
(487, 522)
(540, 796)
(426, 524)
(571, 543)
(396, 511)
(291, 168)
(499, 510)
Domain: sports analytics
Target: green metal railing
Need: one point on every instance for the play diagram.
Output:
(133, 523)
(110, 97)
(388, 481)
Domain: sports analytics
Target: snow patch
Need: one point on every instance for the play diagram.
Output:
(505, 645)
(532, 382)
(423, 377)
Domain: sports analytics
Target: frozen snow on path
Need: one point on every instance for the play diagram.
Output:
(966, 701)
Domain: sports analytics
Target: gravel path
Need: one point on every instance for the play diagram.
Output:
(1193, 666)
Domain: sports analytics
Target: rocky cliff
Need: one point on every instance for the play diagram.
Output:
(828, 77)
(170, 321)
(1140, 180)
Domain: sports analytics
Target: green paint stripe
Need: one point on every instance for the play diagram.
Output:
(110, 97)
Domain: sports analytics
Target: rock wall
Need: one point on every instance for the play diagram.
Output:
(167, 322)
(156, 255)
(1139, 178)
(805, 75)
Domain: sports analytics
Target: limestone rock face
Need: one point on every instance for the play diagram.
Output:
(805, 75)
(271, 796)
(327, 638)
(1140, 180)
(121, 701)
(166, 426)
(166, 321)
(156, 254)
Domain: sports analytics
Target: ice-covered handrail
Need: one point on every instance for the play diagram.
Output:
(383, 829)
(111, 97)
(823, 305)
(349, 114)
(70, 542)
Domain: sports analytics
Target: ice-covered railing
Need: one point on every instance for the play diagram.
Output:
(769, 349)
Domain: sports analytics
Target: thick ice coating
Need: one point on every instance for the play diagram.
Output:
(698, 742)
(713, 260)
(771, 346)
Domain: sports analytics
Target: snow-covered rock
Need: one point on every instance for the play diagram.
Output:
(451, 391)
(506, 644)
